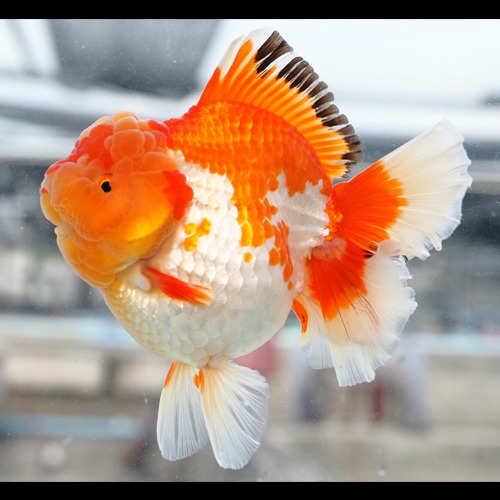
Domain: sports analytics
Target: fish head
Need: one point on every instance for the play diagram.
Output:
(115, 198)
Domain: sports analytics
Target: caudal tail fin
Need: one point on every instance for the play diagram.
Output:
(226, 405)
(356, 301)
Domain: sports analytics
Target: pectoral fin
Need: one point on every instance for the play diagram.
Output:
(177, 289)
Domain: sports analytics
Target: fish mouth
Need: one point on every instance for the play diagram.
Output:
(60, 231)
(48, 210)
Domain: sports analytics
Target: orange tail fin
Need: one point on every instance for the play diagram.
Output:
(356, 301)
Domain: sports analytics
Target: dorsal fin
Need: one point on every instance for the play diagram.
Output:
(263, 70)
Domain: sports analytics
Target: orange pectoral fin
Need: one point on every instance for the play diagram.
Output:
(177, 289)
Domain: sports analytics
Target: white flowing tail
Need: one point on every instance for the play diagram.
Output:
(356, 301)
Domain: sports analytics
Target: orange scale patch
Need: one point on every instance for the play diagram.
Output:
(280, 253)
(273, 183)
(274, 257)
(242, 214)
(261, 210)
(254, 220)
(247, 257)
(194, 232)
(204, 227)
(268, 228)
(253, 148)
(285, 257)
(246, 234)
(259, 235)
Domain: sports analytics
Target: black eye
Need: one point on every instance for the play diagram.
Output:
(106, 186)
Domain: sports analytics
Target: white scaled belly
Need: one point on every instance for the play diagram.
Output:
(250, 299)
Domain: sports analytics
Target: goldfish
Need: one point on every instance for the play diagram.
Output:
(204, 233)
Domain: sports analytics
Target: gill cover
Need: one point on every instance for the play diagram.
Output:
(115, 198)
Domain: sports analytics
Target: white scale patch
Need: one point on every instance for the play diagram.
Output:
(250, 300)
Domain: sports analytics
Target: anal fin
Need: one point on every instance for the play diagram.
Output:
(181, 429)
(227, 405)
(235, 405)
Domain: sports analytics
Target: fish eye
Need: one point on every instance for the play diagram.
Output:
(106, 186)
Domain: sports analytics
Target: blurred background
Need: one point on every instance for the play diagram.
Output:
(78, 397)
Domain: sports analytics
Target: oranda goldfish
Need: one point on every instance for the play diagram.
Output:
(204, 232)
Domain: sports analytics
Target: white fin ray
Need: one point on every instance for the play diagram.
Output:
(360, 338)
(235, 405)
(258, 37)
(432, 169)
(181, 428)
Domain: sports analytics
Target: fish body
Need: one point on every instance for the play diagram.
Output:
(243, 239)
(204, 232)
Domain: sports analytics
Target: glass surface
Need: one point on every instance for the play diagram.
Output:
(79, 397)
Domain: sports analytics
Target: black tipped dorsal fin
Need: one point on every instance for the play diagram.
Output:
(261, 69)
